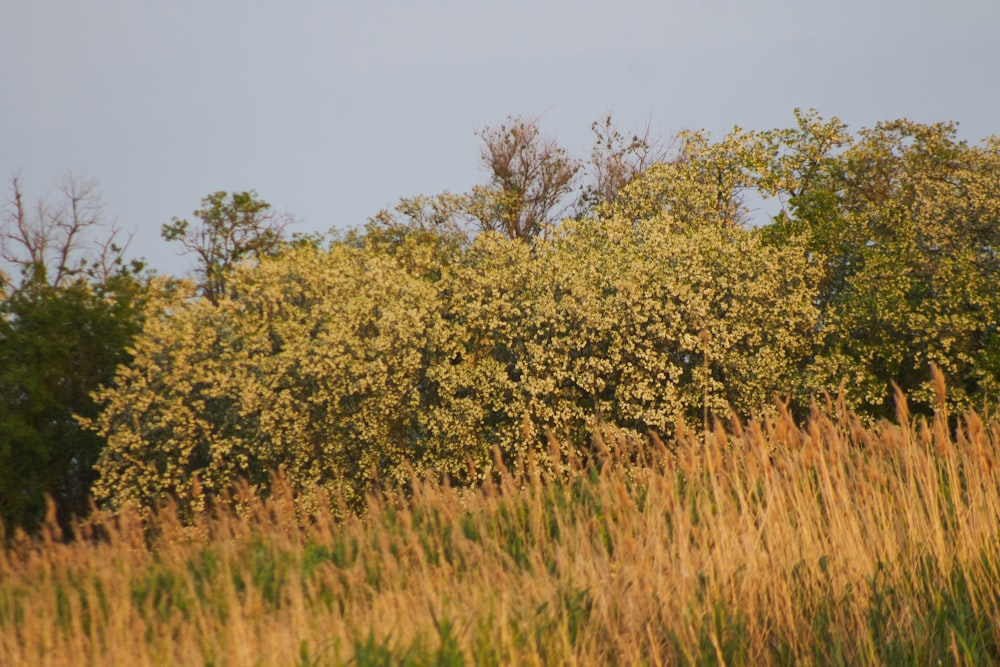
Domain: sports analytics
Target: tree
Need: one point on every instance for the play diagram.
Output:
(616, 160)
(704, 184)
(530, 177)
(63, 330)
(358, 366)
(57, 345)
(444, 216)
(52, 244)
(344, 368)
(234, 227)
(530, 180)
(904, 221)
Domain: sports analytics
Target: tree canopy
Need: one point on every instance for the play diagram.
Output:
(64, 328)
(456, 331)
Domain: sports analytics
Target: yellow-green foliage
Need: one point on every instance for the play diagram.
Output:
(413, 345)
(344, 368)
(767, 544)
(620, 317)
(704, 185)
(340, 367)
(904, 223)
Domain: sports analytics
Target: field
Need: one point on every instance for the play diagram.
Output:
(756, 543)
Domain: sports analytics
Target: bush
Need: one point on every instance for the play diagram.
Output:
(356, 366)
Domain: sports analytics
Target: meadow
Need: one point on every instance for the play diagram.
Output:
(763, 542)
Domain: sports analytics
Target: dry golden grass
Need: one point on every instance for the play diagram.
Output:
(762, 543)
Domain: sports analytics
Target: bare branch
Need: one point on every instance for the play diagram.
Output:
(530, 175)
(57, 243)
(615, 160)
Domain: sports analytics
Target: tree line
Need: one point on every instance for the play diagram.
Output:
(457, 331)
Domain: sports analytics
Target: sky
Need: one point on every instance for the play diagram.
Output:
(332, 111)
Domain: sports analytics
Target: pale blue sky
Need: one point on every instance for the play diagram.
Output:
(332, 111)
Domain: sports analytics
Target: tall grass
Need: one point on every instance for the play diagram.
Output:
(759, 543)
